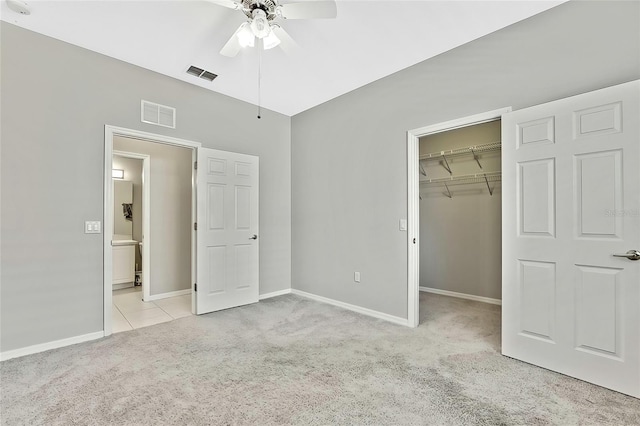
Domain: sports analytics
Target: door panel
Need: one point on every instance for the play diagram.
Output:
(227, 265)
(571, 199)
(537, 301)
(600, 120)
(599, 188)
(536, 132)
(597, 310)
(215, 201)
(243, 207)
(216, 278)
(537, 197)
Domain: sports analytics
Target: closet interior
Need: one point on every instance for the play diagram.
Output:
(460, 212)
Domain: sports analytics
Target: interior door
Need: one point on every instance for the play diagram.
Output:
(227, 230)
(571, 201)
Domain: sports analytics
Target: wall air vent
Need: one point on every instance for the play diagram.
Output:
(199, 72)
(160, 115)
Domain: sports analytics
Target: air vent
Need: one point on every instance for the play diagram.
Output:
(160, 115)
(199, 72)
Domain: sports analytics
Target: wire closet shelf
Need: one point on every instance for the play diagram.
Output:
(475, 149)
(443, 156)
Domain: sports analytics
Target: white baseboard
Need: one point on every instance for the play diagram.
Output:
(29, 350)
(169, 294)
(275, 293)
(358, 309)
(462, 295)
(122, 286)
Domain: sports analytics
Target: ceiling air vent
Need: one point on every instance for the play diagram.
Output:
(160, 115)
(199, 72)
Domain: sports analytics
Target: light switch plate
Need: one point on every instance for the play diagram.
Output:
(356, 277)
(403, 224)
(92, 227)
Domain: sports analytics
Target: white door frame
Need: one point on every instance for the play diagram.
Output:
(413, 201)
(146, 228)
(109, 133)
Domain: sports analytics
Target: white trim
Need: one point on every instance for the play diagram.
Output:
(471, 120)
(170, 294)
(413, 230)
(461, 295)
(150, 137)
(194, 233)
(354, 308)
(122, 286)
(146, 218)
(413, 205)
(275, 294)
(109, 133)
(107, 229)
(29, 350)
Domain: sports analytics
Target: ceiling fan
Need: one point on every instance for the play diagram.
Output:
(262, 24)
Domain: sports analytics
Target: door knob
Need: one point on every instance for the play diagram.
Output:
(255, 237)
(631, 255)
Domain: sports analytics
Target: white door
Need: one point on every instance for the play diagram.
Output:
(571, 200)
(227, 230)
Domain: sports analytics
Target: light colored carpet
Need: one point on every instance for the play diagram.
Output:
(289, 360)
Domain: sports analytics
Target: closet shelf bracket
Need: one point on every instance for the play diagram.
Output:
(487, 182)
(475, 157)
(448, 193)
(445, 164)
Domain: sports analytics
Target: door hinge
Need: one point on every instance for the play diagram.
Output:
(195, 165)
(195, 287)
(195, 226)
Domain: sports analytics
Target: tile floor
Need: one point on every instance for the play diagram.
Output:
(129, 311)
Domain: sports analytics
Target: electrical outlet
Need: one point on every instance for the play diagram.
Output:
(356, 277)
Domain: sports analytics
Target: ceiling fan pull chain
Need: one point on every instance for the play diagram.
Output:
(259, 75)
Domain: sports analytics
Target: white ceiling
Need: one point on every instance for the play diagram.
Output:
(368, 40)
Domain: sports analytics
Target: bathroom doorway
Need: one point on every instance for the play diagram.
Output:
(151, 228)
(131, 199)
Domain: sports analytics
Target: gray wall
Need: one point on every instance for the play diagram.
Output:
(460, 237)
(170, 211)
(55, 100)
(349, 180)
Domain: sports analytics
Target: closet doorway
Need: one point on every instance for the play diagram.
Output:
(460, 212)
(454, 173)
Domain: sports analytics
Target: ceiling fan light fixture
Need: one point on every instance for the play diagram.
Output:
(245, 36)
(260, 24)
(270, 41)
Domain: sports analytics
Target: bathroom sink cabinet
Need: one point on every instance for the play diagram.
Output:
(123, 265)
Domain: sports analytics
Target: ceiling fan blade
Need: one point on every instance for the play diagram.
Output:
(286, 42)
(232, 47)
(226, 3)
(309, 10)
